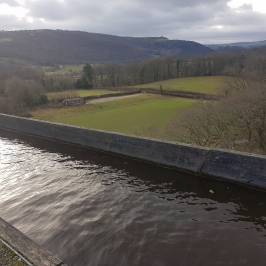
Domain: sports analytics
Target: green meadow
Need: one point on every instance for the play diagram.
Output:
(143, 115)
(208, 85)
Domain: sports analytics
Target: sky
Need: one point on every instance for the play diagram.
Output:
(205, 21)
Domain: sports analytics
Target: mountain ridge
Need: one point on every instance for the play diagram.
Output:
(48, 47)
(240, 45)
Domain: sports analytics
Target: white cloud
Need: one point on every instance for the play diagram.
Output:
(17, 11)
(201, 20)
(257, 5)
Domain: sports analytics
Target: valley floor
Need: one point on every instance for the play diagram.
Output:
(141, 115)
(144, 115)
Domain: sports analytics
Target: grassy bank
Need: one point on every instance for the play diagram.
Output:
(8, 257)
(208, 85)
(145, 115)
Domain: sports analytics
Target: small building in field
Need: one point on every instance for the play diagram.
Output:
(74, 102)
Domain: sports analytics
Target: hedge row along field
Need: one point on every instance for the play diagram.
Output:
(55, 96)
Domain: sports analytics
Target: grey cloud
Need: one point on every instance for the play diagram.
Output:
(9, 2)
(179, 19)
(9, 22)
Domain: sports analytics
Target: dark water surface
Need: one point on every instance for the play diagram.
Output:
(94, 209)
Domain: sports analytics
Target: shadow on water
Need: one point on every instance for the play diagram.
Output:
(203, 207)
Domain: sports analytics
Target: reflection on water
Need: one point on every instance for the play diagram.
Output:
(94, 209)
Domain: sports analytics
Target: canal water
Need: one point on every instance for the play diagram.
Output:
(95, 209)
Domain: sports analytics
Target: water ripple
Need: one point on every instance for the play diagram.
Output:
(93, 209)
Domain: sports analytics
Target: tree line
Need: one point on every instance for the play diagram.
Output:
(20, 87)
(238, 121)
(166, 68)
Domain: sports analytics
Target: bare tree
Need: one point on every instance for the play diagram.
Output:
(236, 122)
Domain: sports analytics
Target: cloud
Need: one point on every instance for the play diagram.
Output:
(208, 21)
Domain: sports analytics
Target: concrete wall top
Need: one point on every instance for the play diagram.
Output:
(36, 255)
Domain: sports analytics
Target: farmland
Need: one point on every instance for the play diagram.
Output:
(144, 115)
(207, 85)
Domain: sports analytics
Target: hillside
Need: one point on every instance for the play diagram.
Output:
(238, 45)
(74, 47)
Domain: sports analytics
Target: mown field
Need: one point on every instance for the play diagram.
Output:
(144, 115)
(208, 85)
(76, 93)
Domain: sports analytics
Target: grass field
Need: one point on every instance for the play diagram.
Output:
(64, 70)
(76, 93)
(209, 85)
(145, 115)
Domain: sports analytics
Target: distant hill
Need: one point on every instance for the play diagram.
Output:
(237, 46)
(48, 47)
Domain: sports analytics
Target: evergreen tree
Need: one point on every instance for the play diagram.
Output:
(86, 81)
